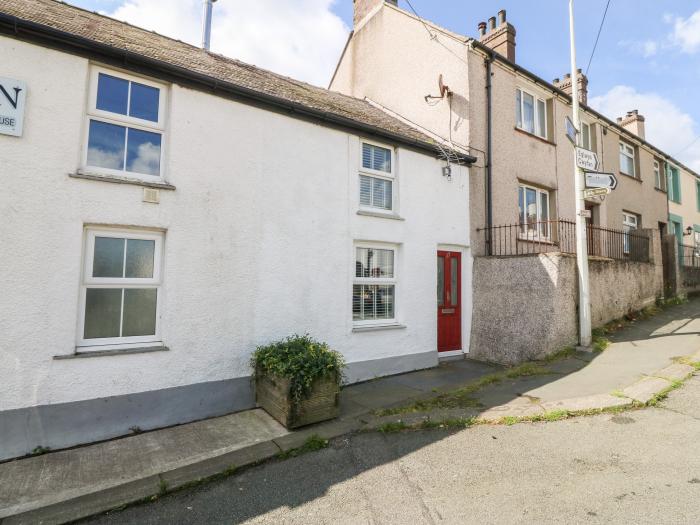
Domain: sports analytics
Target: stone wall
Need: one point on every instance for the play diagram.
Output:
(678, 279)
(526, 307)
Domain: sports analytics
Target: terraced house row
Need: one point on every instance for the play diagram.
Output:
(167, 209)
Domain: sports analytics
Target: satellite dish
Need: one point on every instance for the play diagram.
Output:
(444, 88)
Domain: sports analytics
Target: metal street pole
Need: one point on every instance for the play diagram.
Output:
(584, 307)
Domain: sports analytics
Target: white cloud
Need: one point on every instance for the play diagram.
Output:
(667, 126)
(646, 48)
(299, 38)
(686, 33)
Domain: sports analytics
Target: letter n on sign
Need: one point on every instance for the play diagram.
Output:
(13, 94)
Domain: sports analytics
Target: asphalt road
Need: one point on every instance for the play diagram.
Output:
(637, 467)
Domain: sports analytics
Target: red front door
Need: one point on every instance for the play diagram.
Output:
(449, 301)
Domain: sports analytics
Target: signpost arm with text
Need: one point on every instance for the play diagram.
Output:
(584, 309)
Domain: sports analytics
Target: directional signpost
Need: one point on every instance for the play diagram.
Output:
(595, 192)
(601, 180)
(586, 160)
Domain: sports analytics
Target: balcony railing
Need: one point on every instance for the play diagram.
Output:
(560, 236)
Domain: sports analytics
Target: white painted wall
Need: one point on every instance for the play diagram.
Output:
(258, 244)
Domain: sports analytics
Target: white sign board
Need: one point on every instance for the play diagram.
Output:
(595, 192)
(586, 160)
(601, 180)
(586, 214)
(13, 94)
(571, 130)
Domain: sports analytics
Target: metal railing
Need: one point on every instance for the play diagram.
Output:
(689, 256)
(560, 236)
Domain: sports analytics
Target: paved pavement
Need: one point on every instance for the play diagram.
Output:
(68, 484)
(639, 467)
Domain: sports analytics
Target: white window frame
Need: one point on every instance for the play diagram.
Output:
(588, 146)
(658, 179)
(88, 281)
(375, 281)
(536, 124)
(125, 121)
(378, 174)
(527, 232)
(628, 226)
(628, 151)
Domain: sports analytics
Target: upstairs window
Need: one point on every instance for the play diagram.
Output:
(658, 176)
(530, 113)
(627, 163)
(125, 125)
(376, 178)
(674, 185)
(586, 142)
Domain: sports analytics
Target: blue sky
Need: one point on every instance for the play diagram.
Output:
(648, 57)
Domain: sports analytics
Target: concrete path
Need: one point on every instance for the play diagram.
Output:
(640, 467)
(71, 484)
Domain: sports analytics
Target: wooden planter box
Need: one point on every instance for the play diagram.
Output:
(272, 394)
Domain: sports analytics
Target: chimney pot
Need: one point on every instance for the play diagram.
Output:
(206, 24)
(501, 17)
(492, 23)
(567, 76)
(555, 81)
(482, 28)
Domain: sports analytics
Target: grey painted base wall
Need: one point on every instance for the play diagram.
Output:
(526, 307)
(69, 424)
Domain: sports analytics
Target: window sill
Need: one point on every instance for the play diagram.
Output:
(369, 213)
(630, 176)
(377, 327)
(541, 240)
(528, 134)
(660, 190)
(83, 352)
(121, 180)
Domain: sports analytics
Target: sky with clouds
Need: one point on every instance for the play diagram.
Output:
(648, 56)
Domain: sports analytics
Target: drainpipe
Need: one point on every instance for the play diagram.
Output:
(489, 132)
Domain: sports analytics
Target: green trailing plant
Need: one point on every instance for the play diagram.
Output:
(301, 359)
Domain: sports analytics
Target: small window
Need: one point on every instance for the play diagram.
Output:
(125, 126)
(531, 113)
(374, 285)
(674, 185)
(376, 178)
(629, 223)
(121, 287)
(586, 136)
(658, 178)
(627, 165)
(533, 204)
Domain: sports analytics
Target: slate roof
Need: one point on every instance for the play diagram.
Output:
(29, 18)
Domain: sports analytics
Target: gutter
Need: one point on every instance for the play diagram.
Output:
(489, 156)
(67, 41)
(539, 80)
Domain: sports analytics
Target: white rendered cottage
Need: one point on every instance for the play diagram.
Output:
(165, 210)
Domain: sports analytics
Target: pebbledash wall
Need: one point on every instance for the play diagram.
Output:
(538, 316)
(258, 244)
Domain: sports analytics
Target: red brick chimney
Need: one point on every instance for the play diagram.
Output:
(633, 122)
(567, 87)
(501, 37)
(363, 7)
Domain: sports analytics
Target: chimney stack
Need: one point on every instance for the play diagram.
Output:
(206, 24)
(633, 122)
(501, 37)
(361, 8)
(567, 87)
